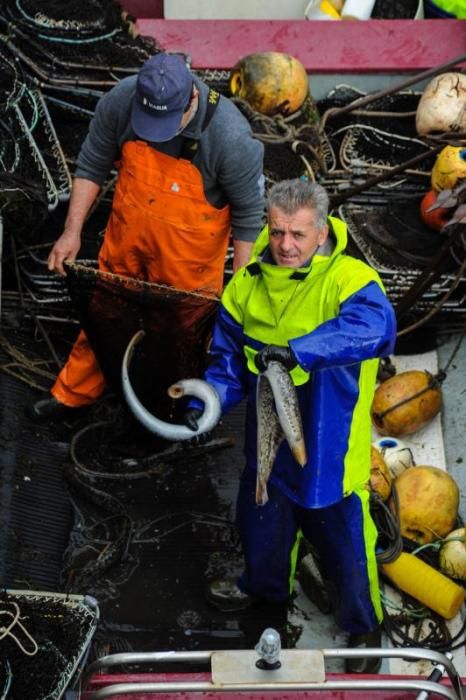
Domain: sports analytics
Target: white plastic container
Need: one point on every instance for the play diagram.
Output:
(320, 9)
(357, 9)
(233, 9)
(396, 453)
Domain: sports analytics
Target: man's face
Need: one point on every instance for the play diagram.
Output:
(294, 238)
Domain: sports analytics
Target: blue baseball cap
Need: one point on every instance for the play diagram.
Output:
(163, 92)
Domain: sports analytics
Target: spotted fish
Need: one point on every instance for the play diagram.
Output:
(278, 418)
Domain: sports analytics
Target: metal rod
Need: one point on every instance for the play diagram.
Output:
(57, 81)
(429, 275)
(367, 99)
(338, 199)
(121, 689)
(435, 676)
(205, 657)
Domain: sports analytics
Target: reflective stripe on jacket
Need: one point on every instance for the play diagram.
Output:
(337, 320)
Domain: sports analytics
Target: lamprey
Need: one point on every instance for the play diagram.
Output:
(116, 550)
(185, 387)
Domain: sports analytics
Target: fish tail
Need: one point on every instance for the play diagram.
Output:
(261, 492)
(299, 452)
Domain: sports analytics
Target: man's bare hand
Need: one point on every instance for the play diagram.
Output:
(66, 249)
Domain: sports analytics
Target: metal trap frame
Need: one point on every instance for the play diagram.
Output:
(43, 286)
(88, 610)
(72, 52)
(364, 148)
(30, 147)
(398, 276)
(35, 123)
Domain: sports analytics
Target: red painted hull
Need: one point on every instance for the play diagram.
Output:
(374, 46)
(101, 681)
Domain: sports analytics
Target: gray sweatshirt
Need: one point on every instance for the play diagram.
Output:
(229, 159)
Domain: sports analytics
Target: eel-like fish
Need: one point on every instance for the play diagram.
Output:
(185, 387)
(274, 423)
(269, 437)
(117, 549)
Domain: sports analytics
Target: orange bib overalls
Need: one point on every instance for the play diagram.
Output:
(161, 229)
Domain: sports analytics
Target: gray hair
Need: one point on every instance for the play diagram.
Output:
(291, 195)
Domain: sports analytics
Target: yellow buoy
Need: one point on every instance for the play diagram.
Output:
(406, 402)
(271, 82)
(425, 584)
(449, 167)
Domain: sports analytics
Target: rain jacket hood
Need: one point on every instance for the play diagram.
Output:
(337, 238)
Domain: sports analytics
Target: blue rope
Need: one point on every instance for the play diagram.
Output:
(80, 41)
(89, 40)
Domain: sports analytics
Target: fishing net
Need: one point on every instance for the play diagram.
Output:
(29, 147)
(394, 241)
(392, 235)
(23, 202)
(87, 16)
(216, 79)
(77, 51)
(374, 139)
(26, 185)
(384, 224)
(293, 145)
(43, 637)
(57, 39)
(178, 324)
(366, 146)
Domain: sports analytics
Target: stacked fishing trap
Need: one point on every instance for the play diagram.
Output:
(384, 225)
(44, 639)
(59, 59)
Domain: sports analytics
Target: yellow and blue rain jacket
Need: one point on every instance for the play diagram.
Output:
(337, 320)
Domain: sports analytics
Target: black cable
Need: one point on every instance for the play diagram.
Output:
(439, 638)
(455, 350)
(388, 528)
(6, 677)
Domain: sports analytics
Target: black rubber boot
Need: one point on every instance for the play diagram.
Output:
(371, 640)
(313, 585)
(225, 595)
(50, 410)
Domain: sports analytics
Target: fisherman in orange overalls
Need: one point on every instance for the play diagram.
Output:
(190, 174)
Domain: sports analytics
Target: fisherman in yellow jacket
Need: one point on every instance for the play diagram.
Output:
(324, 315)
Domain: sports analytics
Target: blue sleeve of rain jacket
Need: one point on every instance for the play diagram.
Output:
(227, 371)
(365, 328)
